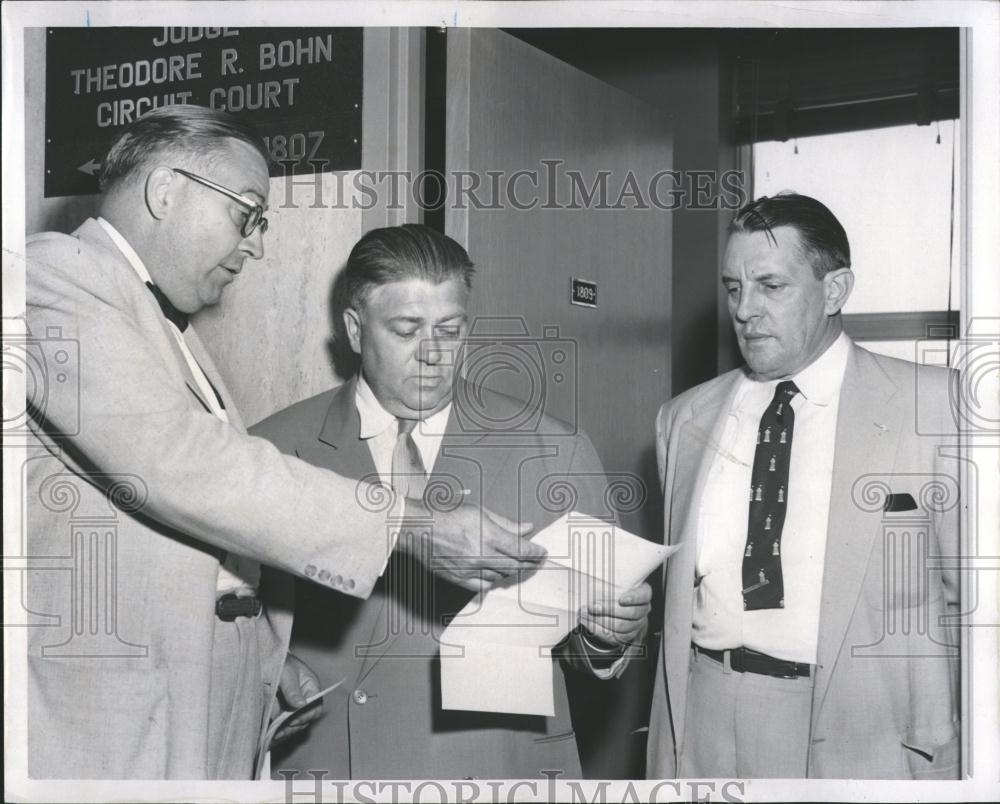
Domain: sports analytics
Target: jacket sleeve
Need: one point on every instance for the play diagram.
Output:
(594, 494)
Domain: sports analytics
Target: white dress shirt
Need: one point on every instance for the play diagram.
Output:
(379, 429)
(720, 622)
(236, 573)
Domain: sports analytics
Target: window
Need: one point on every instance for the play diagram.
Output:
(894, 191)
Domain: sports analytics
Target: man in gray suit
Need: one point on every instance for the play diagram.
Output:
(403, 297)
(152, 657)
(810, 621)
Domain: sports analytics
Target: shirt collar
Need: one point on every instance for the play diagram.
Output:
(820, 381)
(376, 420)
(433, 426)
(126, 249)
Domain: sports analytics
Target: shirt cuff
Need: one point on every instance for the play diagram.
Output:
(605, 662)
(599, 646)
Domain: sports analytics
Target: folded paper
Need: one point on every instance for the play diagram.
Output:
(499, 647)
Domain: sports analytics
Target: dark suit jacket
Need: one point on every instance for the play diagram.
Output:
(386, 720)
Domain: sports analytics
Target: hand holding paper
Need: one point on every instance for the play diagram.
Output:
(506, 635)
(471, 547)
(296, 685)
(622, 621)
(267, 738)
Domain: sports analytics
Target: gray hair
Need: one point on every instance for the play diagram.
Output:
(182, 129)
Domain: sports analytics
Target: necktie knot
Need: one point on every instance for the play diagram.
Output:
(785, 391)
(406, 426)
(179, 319)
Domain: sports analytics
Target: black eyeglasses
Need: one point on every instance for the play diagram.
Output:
(255, 212)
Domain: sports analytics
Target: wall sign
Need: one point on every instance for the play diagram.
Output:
(583, 292)
(300, 86)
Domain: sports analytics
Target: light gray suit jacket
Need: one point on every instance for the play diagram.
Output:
(387, 647)
(885, 696)
(133, 491)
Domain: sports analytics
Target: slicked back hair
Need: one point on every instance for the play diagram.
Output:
(823, 239)
(180, 131)
(397, 253)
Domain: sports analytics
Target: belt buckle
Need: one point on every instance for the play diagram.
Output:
(741, 658)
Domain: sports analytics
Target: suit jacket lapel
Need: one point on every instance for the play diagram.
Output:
(338, 445)
(207, 365)
(181, 364)
(93, 232)
(698, 441)
(868, 425)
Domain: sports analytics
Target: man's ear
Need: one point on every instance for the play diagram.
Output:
(160, 192)
(352, 323)
(837, 287)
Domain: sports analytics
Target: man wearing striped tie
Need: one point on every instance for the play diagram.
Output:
(797, 487)
(407, 419)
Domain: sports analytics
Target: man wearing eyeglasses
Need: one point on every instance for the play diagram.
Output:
(160, 660)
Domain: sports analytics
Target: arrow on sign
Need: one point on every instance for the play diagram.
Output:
(90, 167)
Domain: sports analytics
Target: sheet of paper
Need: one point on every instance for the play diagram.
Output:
(507, 633)
(481, 680)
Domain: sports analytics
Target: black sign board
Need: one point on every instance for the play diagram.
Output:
(300, 86)
(583, 292)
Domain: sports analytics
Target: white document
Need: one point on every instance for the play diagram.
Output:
(499, 656)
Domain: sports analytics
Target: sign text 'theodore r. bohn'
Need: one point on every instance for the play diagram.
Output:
(301, 86)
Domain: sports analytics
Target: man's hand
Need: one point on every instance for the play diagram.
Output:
(622, 622)
(468, 546)
(297, 683)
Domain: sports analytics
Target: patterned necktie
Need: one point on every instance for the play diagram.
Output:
(763, 587)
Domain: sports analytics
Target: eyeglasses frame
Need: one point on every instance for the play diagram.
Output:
(256, 215)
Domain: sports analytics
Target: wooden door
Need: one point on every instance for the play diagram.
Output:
(514, 108)
(510, 108)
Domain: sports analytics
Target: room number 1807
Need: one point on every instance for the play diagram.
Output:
(294, 146)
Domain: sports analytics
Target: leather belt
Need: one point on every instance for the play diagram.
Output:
(229, 607)
(744, 660)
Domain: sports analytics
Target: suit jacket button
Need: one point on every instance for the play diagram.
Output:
(350, 583)
(310, 571)
(324, 574)
(338, 581)
(360, 697)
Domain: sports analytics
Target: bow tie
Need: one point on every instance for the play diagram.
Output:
(179, 319)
